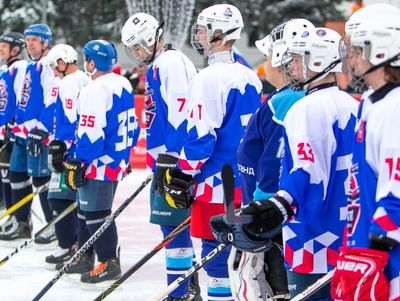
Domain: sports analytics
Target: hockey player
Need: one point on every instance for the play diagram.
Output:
(63, 60)
(311, 200)
(259, 161)
(222, 97)
(34, 122)
(11, 79)
(373, 209)
(166, 107)
(107, 130)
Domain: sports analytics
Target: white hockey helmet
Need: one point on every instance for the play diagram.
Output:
(376, 10)
(294, 32)
(379, 40)
(224, 17)
(62, 52)
(142, 30)
(265, 46)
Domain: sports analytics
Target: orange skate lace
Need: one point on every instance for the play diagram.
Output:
(99, 269)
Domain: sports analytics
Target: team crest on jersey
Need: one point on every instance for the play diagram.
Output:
(149, 106)
(353, 208)
(3, 94)
(360, 133)
(26, 90)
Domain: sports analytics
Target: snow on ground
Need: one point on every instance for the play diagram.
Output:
(25, 274)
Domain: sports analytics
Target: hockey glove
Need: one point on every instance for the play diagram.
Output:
(75, 173)
(268, 215)
(36, 142)
(359, 275)
(225, 233)
(177, 186)
(57, 151)
(162, 164)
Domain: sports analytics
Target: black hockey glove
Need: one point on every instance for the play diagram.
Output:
(36, 142)
(225, 233)
(268, 215)
(74, 173)
(162, 164)
(57, 151)
(177, 186)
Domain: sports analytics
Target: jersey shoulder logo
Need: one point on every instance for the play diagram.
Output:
(26, 90)
(3, 95)
(149, 106)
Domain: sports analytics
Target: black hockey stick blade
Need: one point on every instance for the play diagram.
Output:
(228, 184)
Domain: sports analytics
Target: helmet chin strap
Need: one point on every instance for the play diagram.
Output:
(332, 65)
(385, 63)
(156, 42)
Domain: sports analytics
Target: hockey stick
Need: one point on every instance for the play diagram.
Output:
(3, 164)
(25, 200)
(144, 259)
(189, 273)
(54, 221)
(228, 184)
(315, 287)
(92, 239)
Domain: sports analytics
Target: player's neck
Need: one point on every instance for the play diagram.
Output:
(326, 80)
(99, 74)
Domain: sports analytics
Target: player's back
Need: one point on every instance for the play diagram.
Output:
(107, 126)
(166, 103)
(318, 132)
(222, 98)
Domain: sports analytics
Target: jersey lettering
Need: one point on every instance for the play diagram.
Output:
(127, 126)
(394, 168)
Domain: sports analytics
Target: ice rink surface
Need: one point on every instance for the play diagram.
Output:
(25, 274)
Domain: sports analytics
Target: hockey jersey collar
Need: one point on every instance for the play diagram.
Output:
(382, 92)
(320, 87)
(221, 57)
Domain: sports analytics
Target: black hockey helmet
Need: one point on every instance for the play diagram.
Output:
(14, 39)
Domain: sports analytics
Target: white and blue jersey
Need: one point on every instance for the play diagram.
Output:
(108, 127)
(374, 202)
(11, 80)
(317, 133)
(166, 104)
(37, 101)
(222, 98)
(261, 149)
(66, 107)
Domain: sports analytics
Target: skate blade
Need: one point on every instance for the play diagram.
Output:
(101, 286)
(72, 278)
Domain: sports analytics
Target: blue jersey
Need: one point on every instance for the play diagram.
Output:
(11, 80)
(222, 98)
(66, 107)
(166, 104)
(374, 199)
(261, 149)
(317, 135)
(37, 101)
(108, 127)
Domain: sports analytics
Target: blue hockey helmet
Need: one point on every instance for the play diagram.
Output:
(41, 30)
(103, 54)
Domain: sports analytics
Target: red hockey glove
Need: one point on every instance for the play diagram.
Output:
(359, 275)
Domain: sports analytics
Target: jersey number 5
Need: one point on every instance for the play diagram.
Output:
(127, 124)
